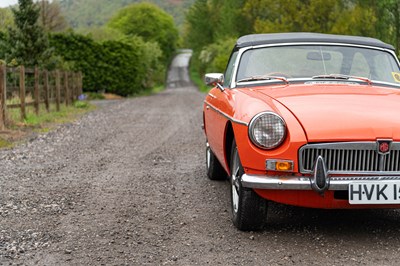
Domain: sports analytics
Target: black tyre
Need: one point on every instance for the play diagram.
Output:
(249, 211)
(214, 168)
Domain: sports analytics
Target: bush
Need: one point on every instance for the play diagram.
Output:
(123, 67)
(214, 57)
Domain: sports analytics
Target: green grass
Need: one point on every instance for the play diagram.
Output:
(198, 81)
(18, 129)
(156, 89)
(47, 121)
(41, 122)
(5, 143)
(94, 96)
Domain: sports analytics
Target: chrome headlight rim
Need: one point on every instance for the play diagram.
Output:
(251, 127)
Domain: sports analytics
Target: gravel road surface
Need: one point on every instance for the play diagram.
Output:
(126, 185)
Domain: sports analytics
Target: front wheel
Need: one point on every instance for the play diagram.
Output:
(249, 211)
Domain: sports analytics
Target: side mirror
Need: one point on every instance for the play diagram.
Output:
(214, 79)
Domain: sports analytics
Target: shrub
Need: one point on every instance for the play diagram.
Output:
(122, 67)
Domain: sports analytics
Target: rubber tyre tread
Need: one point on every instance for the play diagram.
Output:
(252, 209)
(215, 171)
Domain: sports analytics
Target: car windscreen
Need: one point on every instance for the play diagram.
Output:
(307, 61)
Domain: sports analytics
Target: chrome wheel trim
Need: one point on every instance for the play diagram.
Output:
(208, 156)
(235, 182)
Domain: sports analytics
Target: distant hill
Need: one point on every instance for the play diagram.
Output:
(92, 13)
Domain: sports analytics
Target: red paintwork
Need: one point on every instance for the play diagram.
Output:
(313, 113)
(311, 199)
(342, 112)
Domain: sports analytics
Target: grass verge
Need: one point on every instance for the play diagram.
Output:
(18, 130)
(198, 81)
(154, 90)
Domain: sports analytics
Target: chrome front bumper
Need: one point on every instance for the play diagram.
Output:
(304, 183)
(320, 180)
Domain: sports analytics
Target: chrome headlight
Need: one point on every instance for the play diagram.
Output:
(267, 130)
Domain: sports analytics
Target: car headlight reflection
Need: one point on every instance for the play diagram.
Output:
(267, 130)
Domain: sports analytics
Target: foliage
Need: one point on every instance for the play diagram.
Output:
(51, 18)
(6, 19)
(199, 32)
(28, 43)
(197, 80)
(3, 45)
(96, 13)
(387, 19)
(309, 15)
(211, 30)
(94, 96)
(81, 104)
(45, 120)
(212, 25)
(5, 143)
(122, 67)
(102, 33)
(326, 16)
(214, 57)
(149, 22)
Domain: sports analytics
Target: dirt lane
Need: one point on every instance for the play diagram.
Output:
(126, 185)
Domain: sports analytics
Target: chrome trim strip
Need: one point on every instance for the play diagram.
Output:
(225, 115)
(303, 183)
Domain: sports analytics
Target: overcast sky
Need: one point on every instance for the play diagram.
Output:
(5, 3)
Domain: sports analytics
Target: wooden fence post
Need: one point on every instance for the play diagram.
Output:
(76, 79)
(22, 91)
(66, 88)
(58, 90)
(72, 87)
(3, 95)
(36, 91)
(46, 89)
(80, 83)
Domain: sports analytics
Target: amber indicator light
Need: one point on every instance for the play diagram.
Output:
(284, 166)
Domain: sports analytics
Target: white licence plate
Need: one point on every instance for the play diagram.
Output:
(382, 192)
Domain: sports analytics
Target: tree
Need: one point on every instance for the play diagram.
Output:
(6, 19)
(200, 30)
(51, 18)
(214, 24)
(28, 42)
(287, 15)
(149, 22)
(231, 21)
(387, 27)
(102, 33)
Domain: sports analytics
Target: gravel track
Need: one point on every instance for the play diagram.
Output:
(126, 185)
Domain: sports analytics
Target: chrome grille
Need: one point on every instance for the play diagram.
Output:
(351, 157)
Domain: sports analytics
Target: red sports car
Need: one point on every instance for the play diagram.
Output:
(305, 119)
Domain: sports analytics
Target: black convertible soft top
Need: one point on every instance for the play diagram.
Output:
(297, 37)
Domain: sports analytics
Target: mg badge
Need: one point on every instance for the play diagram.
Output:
(383, 146)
